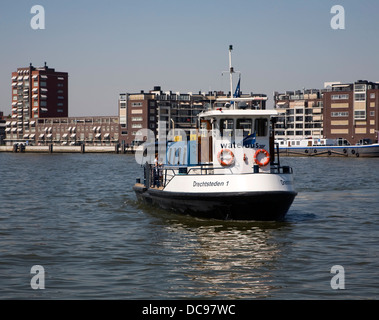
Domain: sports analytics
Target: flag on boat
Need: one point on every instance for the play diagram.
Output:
(237, 93)
(249, 141)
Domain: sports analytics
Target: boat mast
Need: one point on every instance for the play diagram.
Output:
(231, 71)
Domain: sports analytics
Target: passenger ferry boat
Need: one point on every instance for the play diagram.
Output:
(327, 148)
(228, 170)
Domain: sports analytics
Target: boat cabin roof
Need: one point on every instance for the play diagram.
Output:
(237, 113)
(235, 107)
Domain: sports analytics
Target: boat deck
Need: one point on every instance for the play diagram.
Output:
(141, 185)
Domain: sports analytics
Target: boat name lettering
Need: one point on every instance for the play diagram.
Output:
(231, 145)
(285, 182)
(210, 184)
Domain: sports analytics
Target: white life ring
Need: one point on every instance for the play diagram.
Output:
(266, 159)
(221, 157)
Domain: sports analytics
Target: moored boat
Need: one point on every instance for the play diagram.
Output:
(327, 148)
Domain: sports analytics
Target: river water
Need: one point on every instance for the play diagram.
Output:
(76, 216)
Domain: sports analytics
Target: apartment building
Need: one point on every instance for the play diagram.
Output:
(162, 111)
(351, 111)
(341, 111)
(37, 93)
(99, 130)
(300, 114)
(136, 111)
(40, 113)
(2, 127)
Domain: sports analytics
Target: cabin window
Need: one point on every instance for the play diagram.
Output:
(227, 127)
(261, 127)
(245, 125)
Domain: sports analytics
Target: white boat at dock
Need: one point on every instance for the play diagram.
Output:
(327, 148)
(228, 169)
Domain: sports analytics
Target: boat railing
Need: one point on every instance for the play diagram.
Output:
(276, 168)
(160, 176)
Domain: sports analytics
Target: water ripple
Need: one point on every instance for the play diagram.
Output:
(77, 216)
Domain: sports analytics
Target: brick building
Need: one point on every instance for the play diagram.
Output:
(300, 114)
(150, 110)
(2, 127)
(351, 111)
(339, 111)
(36, 93)
(40, 113)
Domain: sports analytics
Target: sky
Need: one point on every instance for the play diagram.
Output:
(112, 47)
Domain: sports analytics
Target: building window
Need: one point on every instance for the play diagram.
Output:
(137, 126)
(340, 96)
(227, 126)
(261, 127)
(340, 114)
(136, 104)
(43, 84)
(122, 105)
(372, 95)
(360, 87)
(360, 97)
(360, 115)
(60, 85)
(137, 118)
(372, 113)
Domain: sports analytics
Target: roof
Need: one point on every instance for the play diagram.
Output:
(238, 113)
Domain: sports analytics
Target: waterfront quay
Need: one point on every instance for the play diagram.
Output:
(21, 148)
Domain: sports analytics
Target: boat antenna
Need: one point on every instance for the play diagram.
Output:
(231, 71)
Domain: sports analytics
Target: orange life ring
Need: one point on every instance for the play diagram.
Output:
(266, 161)
(220, 158)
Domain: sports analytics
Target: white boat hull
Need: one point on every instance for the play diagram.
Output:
(235, 197)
